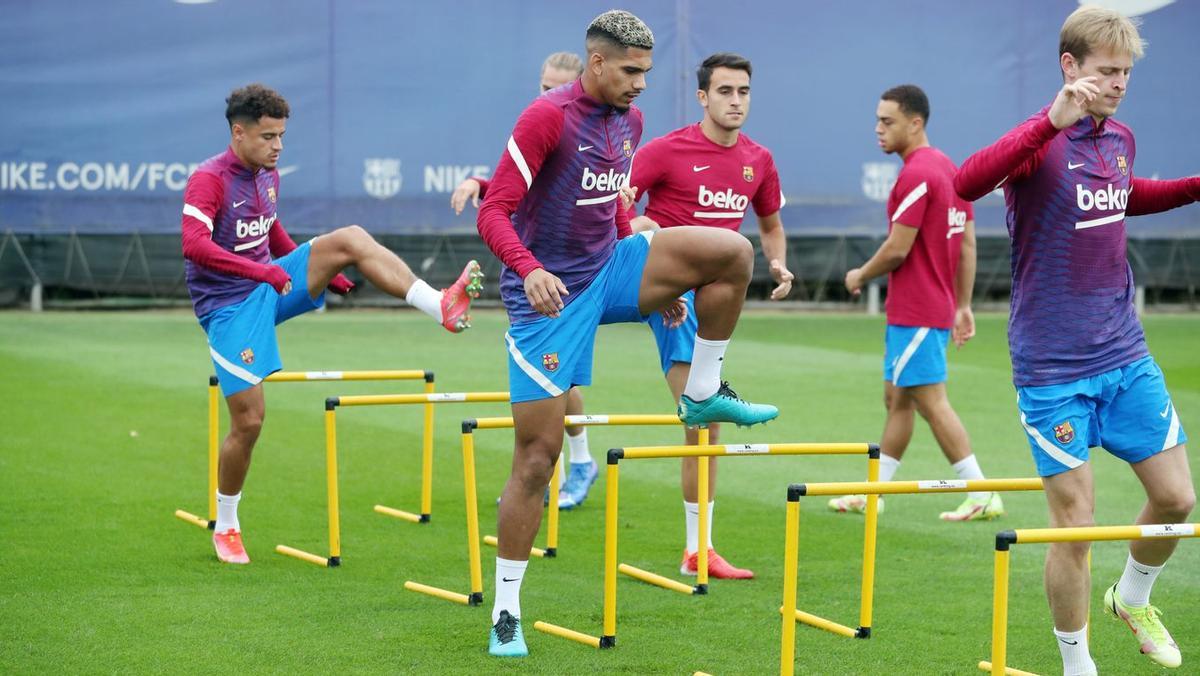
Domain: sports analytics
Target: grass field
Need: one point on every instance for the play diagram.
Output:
(103, 437)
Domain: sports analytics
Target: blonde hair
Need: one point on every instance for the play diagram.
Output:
(1092, 27)
(564, 61)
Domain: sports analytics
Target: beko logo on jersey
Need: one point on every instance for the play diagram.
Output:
(609, 181)
(1103, 199)
(722, 200)
(957, 220)
(256, 228)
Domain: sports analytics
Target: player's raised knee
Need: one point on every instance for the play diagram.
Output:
(1174, 506)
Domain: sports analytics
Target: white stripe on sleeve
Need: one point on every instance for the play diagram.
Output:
(519, 159)
(194, 212)
(909, 200)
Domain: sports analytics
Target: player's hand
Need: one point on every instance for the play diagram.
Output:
(467, 190)
(1070, 106)
(628, 196)
(964, 327)
(783, 278)
(854, 281)
(341, 284)
(642, 224)
(545, 292)
(279, 280)
(675, 314)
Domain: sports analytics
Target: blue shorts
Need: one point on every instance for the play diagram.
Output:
(549, 355)
(675, 345)
(1127, 411)
(241, 337)
(914, 355)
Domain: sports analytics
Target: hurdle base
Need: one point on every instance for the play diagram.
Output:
(700, 590)
(656, 579)
(828, 625)
(863, 632)
(493, 541)
(437, 592)
(475, 599)
(551, 552)
(330, 562)
(987, 666)
(401, 514)
(608, 641)
(569, 634)
(188, 517)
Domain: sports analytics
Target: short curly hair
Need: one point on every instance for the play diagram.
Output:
(620, 28)
(248, 104)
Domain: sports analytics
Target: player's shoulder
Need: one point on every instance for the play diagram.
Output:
(753, 149)
(213, 172)
(1118, 127)
(670, 140)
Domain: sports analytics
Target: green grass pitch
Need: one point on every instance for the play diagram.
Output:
(103, 437)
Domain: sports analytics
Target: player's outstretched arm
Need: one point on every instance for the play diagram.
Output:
(472, 189)
(1150, 196)
(890, 255)
(964, 289)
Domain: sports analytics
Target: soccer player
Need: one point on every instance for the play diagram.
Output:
(552, 218)
(1083, 374)
(929, 258)
(558, 69)
(708, 174)
(246, 275)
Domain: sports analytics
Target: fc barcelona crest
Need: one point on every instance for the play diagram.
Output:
(271, 194)
(1122, 164)
(1064, 432)
(247, 356)
(550, 361)
(627, 148)
(748, 173)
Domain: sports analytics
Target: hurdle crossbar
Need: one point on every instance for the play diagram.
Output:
(608, 639)
(1005, 540)
(214, 425)
(469, 426)
(331, 475)
(872, 489)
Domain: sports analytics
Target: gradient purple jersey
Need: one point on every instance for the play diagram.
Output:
(552, 202)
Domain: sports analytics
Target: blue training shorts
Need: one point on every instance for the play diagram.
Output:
(915, 355)
(1127, 411)
(241, 337)
(549, 355)
(675, 345)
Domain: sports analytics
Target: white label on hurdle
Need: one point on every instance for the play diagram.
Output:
(587, 420)
(941, 484)
(1168, 530)
(747, 448)
(323, 375)
(448, 396)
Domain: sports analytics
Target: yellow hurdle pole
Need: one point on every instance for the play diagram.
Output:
(589, 420)
(331, 478)
(427, 456)
(214, 432)
(435, 397)
(472, 500)
(563, 632)
(1105, 533)
(1000, 606)
(493, 541)
(870, 530)
(304, 556)
(827, 625)
(702, 527)
(191, 518)
(934, 486)
(655, 579)
(609, 638)
(436, 592)
(398, 513)
(1009, 671)
(552, 517)
(791, 538)
(644, 452)
(313, 376)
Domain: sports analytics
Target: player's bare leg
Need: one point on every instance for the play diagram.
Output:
(934, 406)
(1071, 499)
(352, 245)
(897, 433)
(579, 471)
(718, 264)
(246, 411)
(1171, 498)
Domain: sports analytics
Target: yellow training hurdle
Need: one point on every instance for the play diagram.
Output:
(331, 405)
(873, 489)
(214, 431)
(475, 596)
(1004, 541)
(609, 637)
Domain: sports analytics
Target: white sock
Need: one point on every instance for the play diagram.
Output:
(1136, 582)
(691, 516)
(887, 467)
(425, 298)
(968, 468)
(227, 512)
(704, 377)
(508, 587)
(579, 448)
(1073, 645)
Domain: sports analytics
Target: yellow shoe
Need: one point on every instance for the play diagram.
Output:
(1156, 641)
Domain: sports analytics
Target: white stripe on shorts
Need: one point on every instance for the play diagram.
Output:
(1051, 450)
(1173, 430)
(233, 368)
(909, 351)
(534, 374)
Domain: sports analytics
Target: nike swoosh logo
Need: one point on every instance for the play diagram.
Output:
(1072, 165)
(1069, 642)
(1165, 411)
(510, 579)
(284, 171)
(238, 204)
(583, 148)
(699, 169)
(1143, 572)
